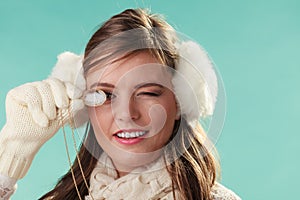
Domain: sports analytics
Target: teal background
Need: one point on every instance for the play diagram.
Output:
(255, 45)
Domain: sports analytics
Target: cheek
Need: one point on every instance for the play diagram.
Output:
(161, 116)
(171, 117)
(101, 119)
(171, 111)
(158, 117)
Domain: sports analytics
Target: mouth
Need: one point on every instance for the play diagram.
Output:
(130, 134)
(130, 137)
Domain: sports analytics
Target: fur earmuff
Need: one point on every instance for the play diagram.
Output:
(195, 82)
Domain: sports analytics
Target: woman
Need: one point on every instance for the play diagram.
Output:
(143, 103)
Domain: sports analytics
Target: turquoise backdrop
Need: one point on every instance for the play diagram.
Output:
(255, 45)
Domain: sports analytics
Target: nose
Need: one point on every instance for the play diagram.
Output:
(125, 110)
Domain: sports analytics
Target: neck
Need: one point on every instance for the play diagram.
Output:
(122, 170)
(121, 174)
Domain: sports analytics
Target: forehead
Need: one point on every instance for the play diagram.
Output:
(141, 67)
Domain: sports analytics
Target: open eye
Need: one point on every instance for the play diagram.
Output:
(109, 96)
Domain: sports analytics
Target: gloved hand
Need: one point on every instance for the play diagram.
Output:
(34, 113)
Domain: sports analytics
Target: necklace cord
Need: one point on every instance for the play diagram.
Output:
(79, 162)
(68, 153)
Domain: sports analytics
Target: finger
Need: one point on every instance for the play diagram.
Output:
(72, 91)
(63, 116)
(48, 103)
(59, 93)
(29, 96)
(76, 105)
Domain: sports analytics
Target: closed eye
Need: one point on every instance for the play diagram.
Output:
(149, 94)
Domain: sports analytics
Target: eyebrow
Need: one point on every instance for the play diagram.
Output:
(141, 85)
(102, 84)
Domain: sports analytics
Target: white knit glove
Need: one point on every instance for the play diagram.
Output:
(34, 113)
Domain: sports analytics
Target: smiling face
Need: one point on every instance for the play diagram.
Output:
(138, 117)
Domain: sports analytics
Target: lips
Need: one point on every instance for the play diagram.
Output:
(129, 136)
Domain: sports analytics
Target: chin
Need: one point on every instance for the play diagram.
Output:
(127, 161)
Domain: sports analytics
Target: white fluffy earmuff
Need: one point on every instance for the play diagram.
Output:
(195, 82)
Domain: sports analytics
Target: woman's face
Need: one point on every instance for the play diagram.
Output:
(138, 117)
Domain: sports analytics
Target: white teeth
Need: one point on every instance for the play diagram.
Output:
(131, 134)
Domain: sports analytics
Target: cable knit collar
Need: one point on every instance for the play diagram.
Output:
(151, 182)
